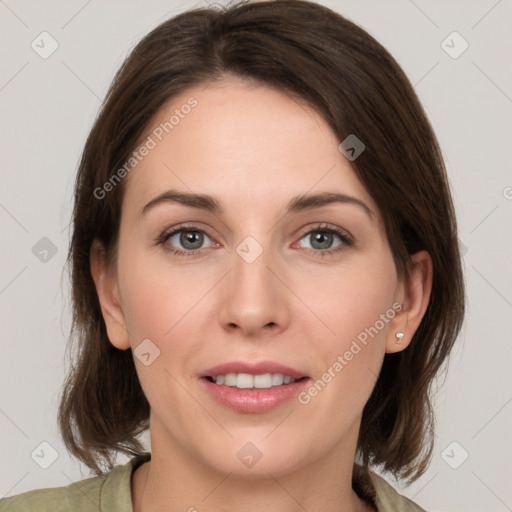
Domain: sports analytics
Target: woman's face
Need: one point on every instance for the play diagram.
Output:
(255, 284)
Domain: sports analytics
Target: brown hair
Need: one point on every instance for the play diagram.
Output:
(312, 53)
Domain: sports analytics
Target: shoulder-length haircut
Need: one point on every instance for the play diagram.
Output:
(315, 55)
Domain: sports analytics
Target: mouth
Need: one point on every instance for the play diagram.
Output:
(248, 381)
(253, 387)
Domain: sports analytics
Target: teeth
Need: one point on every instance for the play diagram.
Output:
(262, 381)
(277, 379)
(229, 379)
(244, 381)
(248, 381)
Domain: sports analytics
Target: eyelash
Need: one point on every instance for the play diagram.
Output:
(343, 235)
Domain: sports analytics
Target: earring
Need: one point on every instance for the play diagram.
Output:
(399, 337)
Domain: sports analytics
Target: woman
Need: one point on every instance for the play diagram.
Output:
(265, 272)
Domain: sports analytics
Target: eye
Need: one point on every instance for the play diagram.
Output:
(322, 238)
(189, 240)
(184, 240)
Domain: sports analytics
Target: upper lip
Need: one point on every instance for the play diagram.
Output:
(252, 369)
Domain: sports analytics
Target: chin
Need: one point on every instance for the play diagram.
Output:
(250, 460)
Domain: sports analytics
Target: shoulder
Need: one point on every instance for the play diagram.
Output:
(375, 490)
(388, 499)
(109, 492)
(83, 496)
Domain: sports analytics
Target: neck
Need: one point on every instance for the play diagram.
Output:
(173, 478)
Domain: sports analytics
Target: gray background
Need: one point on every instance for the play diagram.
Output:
(48, 106)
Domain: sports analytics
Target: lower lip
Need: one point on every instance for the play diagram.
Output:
(254, 400)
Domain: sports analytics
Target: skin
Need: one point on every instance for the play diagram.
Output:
(253, 148)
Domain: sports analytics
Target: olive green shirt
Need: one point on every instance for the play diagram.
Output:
(111, 492)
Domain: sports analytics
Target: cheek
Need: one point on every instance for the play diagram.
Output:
(351, 298)
(353, 310)
(160, 304)
(158, 298)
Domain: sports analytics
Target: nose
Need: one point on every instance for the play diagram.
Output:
(255, 299)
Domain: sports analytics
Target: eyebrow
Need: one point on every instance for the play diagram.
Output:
(296, 204)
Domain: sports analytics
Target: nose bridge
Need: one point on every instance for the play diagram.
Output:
(251, 275)
(254, 296)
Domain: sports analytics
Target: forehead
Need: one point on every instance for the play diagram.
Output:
(247, 144)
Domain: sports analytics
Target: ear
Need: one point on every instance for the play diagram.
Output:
(415, 295)
(108, 295)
